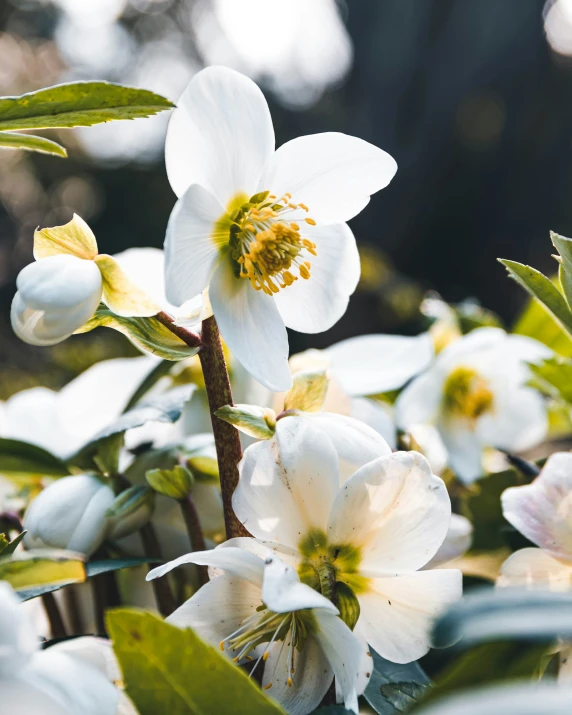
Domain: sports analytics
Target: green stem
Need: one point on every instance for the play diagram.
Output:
(165, 601)
(188, 337)
(57, 625)
(193, 524)
(227, 440)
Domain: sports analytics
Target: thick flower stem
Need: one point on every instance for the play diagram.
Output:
(188, 337)
(196, 537)
(165, 601)
(227, 440)
(57, 625)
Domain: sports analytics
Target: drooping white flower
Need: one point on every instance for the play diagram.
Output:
(373, 533)
(542, 511)
(263, 230)
(475, 393)
(45, 682)
(260, 609)
(61, 291)
(71, 514)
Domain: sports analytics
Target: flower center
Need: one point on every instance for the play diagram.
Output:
(266, 627)
(266, 245)
(467, 394)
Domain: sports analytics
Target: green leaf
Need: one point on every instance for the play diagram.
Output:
(308, 391)
(29, 142)
(148, 334)
(92, 568)
(108, 452)
(131, 500)
(169, 670)
(482, 506)
(257, 422)
(541, 288)
(18, 457)
(394, 688)
(554, 378)
(506, 614)
(175, 483)
(159, 371)
(333, 710)
(78, 104)
(8, 547)
(30, 569)
(537, 322)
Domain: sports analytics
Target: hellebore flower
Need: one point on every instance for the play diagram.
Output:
(263, 230)
(259, 610)
(72, 513)
(475, 394)
(372, 535)
(61, 291)
(46, 682)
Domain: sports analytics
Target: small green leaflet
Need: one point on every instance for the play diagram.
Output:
(170, 670)
(29, 142)
(554, 377)
(8, 547)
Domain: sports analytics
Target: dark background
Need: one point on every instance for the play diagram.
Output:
(467, 95)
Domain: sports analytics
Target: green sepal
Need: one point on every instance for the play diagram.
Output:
(347, 604)
(175, 483)
(130, 501)
(308, 393)
(257, 422)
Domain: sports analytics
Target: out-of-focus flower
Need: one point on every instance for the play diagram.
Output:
(542, 511)
(61, 291)
(260, 608)
(475, 394)
(263, 230)
(457, 542)
(558, 25)
(372, 535)
(297, 59)
(72, 513)
(46, 682)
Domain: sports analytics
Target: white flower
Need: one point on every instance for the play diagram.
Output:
(373, 534)
(61, 291)
(46, 682)
(260, 609)
(61, 421)
(542, 511)
(457, 542)
(263, 230)
(475, 393)
(70, 514)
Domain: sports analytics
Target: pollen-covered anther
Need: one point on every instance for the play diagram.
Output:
(267, 247)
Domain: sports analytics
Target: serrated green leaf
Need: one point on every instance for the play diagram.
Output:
(169, 670)
(257, 422)
(29, 142)
(49, 567)
(541, 288)
(394, 688)
(308, 391)
(554, 378)
(78, 104)
(18, 457)
(148, 334)
(538, 323)
(7, 548)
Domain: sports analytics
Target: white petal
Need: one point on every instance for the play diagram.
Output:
(464, 450)
(333, 174)
(344, 653)
(252, 328)
(428, 441)
(542, 511)
(316, 304)
(457, 541)
(191, 245)
(355, 443)
(98, 652)
(218, 608)
(394, 511)
(145, 268)
(378, 415)
(283, 592)
(287, 484)
(311, 679)
(18, 639)
(221, 135)
(263, 549)
(370, 364)
(518, 422)
(397, 613)
(18, 695)
(233, 560)
(420, 402)
(536, 569)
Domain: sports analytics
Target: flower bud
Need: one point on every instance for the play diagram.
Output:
(56, 296)
(70, 514)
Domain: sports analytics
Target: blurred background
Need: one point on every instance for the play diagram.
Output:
(472, 98)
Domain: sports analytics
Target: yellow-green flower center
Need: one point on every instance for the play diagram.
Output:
(265, 245)
(466, 394)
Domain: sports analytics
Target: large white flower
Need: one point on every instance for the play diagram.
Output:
(475, 393)
(260, 609)
(263, 230)
(46, 682)
(372, 534)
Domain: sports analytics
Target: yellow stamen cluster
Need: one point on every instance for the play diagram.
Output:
(266, 246)
(467, 394)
